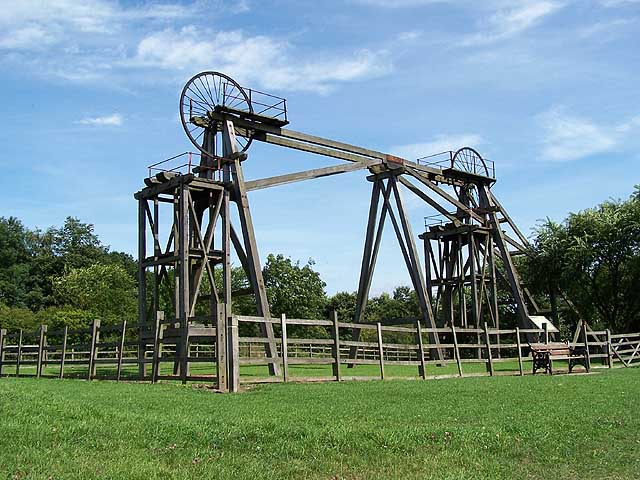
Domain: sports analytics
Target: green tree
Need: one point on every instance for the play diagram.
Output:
(344, 303)
(297, 291)
(107, 291)
(14, 318)
(15, 263)
(594, 256)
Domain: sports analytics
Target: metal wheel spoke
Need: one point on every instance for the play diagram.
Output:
(200, 97)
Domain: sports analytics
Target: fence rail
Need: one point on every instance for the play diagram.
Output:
(154, 352)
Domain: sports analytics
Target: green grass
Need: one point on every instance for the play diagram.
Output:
(576, 427)
(257, 372)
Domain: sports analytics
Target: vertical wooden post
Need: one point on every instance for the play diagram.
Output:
(233, 354)
(19, 357)
(95, 326)
(155, 366)
(545, 327)
(380, 350)
(142, 286)
(221, 348)
(488, 344)
(519, 347)
(41, 340)
(285, 348)
(336, 346)
(422, 367)
(3, 333)
(121, 350)
(63, 354)
(183, 305)
(586, 345)
(609, 359)
(456, 349)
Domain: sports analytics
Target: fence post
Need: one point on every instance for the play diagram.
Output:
(3, 332)
(488, 345)
(19, 357)
(221, 348)
(519, 347)
(121, 350)
(456, 349)
(545, 327)
(609, 354)
(284, 348)
(422, 370)
(64, 351)
(41, 340)
(380, 350)
(336, 346)
(233, 354)
(95, 326)
(586, 345)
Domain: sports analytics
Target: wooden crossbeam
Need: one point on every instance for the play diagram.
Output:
(308, 175)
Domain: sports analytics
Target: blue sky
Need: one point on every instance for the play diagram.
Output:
(545, 88)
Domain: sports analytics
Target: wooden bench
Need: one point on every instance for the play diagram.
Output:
(544, 354)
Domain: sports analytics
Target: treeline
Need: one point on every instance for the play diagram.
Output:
(591, 259)
(66, 276)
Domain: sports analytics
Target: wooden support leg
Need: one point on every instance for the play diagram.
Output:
(142, 284)
(415, 269)
(253, 259)
(366, 269)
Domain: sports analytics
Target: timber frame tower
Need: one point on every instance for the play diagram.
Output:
(185, 213)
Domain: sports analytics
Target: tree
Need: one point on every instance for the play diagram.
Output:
(107, 291)
(15, 262)
(297, 291)
(14, 318)
(594, 256)
(344, 304)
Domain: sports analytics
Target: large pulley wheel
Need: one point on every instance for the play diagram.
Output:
(204, 95)
(469, 160)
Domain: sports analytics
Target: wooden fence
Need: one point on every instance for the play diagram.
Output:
(347, 351)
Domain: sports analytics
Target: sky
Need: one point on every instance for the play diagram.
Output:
(547, 89)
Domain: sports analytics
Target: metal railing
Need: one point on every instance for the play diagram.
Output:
(444, 160)
(264, 104)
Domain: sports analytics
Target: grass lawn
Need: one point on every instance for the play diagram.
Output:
(578, 426)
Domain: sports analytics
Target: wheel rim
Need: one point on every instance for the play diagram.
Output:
(205, 93)
(469, 160)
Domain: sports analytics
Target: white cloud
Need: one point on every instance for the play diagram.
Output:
(568, 137)
(441, 143)
(606, 30)
(409, 36)
(257, 60)
(400, 3)
(26, 37)
(63, 21)
(114, 120)
(109, 41)
(617, 3)
(510, 22)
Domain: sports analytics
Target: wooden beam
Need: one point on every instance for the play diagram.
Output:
(316, 149)
(307, 175)
(415, 190)
(251, 249)
(429, 184)
(509, 220)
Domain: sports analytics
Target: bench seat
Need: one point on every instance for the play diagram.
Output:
(544, 354)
